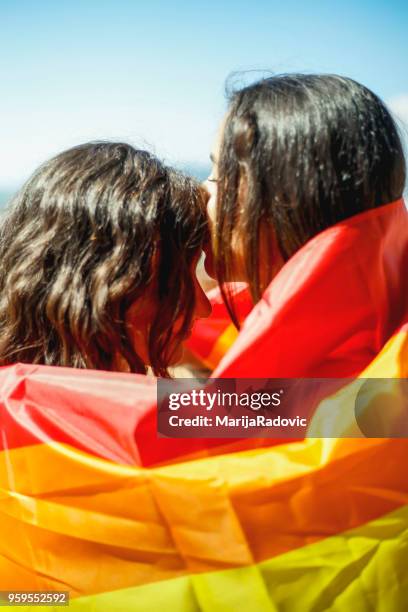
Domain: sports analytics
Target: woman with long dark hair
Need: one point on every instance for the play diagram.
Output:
(97, 262)
(305, 207)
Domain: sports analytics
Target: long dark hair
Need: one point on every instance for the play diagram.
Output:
(80, 243)
(300, 153)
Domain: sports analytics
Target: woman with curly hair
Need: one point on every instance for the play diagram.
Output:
(97, 262)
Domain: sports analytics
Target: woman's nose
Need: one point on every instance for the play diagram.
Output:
(210, 188)
(209, 266)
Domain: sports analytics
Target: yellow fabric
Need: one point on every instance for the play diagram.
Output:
(335, 416)
(360, 570)
(221, 346)
(314, 525)
(66, 510)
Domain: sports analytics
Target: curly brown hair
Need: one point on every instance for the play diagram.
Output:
(81, 241)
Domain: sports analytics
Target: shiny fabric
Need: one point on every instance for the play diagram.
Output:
(312, 525)
(91, 501)
(330, 309)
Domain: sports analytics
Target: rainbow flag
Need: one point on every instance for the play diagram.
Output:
(318, 524)
(93, 503)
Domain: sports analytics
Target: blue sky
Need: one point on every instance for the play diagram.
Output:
(153, 73)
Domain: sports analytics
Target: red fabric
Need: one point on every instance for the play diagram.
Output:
(333, 305)
(106, 414)
(328, 313)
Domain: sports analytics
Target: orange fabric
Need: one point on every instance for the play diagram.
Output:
(72, 519)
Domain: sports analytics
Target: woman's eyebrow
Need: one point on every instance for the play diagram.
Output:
(212, 158)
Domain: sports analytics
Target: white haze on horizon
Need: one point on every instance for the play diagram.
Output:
(159, 130)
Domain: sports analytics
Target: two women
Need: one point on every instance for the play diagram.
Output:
(97, 261)
(99, 250)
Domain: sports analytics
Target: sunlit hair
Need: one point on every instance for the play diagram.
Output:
(300, 153)
(80, 243)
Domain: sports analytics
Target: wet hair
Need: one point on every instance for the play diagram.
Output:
(300, 153)
(83, 239)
